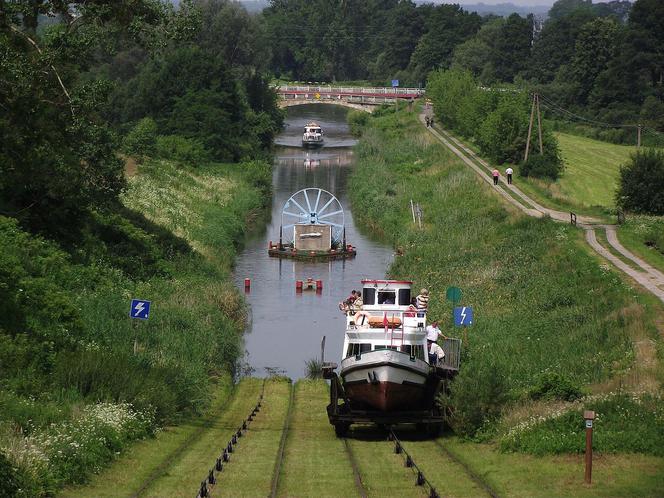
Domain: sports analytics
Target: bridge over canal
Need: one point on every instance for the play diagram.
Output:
(363, 98)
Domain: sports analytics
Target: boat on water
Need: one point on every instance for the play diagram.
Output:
(313, 135)
(385, 375)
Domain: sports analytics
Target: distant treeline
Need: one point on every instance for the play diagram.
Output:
(603, 59)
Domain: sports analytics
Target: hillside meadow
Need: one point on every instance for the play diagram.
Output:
(552, 324)
(73, 392)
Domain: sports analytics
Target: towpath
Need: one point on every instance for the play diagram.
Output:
(644, 274)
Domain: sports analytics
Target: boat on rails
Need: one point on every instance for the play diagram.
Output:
(385, 375)
(312, 228)
(313, 135)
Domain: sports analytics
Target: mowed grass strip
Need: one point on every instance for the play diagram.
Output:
(127, 475)
(249, 473)
(183, 478)
(315, 461)
(592, 169)
(447, 476)
(384, 473)
(515, 475)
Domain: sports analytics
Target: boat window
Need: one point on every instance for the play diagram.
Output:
(406, 349)
(404, 297)
(369, 295)
(419, 352)
(386, 346)
(355, 349)
(385, 297)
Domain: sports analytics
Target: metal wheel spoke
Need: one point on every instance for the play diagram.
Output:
(287, 226)
(322, 210)
(298, 205)
(331, 214)
(301, 215)
(317, 200)
(306, 198)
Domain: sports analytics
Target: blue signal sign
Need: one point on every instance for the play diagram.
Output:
(139, 309)
(463, 316)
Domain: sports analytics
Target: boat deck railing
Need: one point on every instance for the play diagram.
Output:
(452, 348)
(394, 319)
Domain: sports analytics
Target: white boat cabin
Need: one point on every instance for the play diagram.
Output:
(387, 320)
(312, 133)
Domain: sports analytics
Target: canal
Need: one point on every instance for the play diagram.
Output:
(285, 328)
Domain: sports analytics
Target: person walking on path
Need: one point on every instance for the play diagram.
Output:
(509, 172)
(428, 121)
(495, 174)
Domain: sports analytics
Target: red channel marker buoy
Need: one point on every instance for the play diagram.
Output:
(247, 284)
(298, 286)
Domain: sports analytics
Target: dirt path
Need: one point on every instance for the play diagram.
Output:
(647, 276)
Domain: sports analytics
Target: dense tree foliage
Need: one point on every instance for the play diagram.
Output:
(641, 187)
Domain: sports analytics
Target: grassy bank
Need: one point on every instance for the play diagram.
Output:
(72, 391)
(550, 322)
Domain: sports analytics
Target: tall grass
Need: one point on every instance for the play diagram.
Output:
(66, 341)
(541, 303)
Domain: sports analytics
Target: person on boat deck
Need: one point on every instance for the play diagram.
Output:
(347, 304)
(412, 308)
(433, 333)
(422, 300)
(358, 303)
(436, 354)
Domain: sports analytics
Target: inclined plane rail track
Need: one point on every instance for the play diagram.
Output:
(473, 475)
(356, 470)
(421, 480)
(225, 456)
(282, 444)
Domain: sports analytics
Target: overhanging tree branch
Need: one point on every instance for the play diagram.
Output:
(55, 71)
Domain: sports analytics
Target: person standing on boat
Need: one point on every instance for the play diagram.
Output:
(422, 300)
(509, 171)
(433, 333)
(495, 173)
(357, 304)
(436, 354)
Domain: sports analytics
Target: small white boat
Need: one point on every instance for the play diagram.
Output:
(313, 135)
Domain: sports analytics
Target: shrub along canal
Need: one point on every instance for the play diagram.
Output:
(286, 327)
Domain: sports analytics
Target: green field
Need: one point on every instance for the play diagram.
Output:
(592, 169)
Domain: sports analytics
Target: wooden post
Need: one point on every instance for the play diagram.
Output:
(530, 129)
(539, 124)
(638, 136)
(589, 416)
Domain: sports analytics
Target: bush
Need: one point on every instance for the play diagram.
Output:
(478, 395)
(552, 385)
(141, 138)
(357, 120)
(8, 481)
(641, 187)
(181, 149)
(542, 166)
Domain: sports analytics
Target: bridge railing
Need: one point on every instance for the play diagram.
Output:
(337, 90)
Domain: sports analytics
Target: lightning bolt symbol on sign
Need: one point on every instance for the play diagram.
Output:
(463, 314)
(139, 308)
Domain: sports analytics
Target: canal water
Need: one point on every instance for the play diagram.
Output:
(285, 327)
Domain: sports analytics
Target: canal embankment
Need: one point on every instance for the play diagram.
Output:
(552, 324)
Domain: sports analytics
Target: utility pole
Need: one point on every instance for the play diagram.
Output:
(539, 124)
(530, 128)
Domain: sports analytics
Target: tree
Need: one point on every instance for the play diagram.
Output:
(511, 48)
(563, 8)
(595, 48)
(448, 26)
(57, 156)
(555, 44)
(641, 187)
